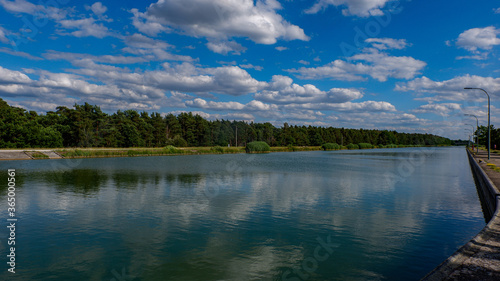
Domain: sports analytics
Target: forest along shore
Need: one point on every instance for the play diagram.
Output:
(87, 126)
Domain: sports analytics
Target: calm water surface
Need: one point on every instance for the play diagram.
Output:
(386, 214)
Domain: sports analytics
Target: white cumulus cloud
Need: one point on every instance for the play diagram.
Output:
(479, 38)
(231, 105)
(371, 62)
(98, 8)
(442, 109)
(219, 20)
(362, 8)
(84, 28)
(20, 6)
(49, 11)
(365, 106)
(452, 89)
(225, 47)
(3, 35)
(282, 90)
(150, 49)
(12, 76)
(387, 43)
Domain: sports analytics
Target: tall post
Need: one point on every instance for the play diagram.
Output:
(489, 130)
(477, 135)
(471, 135)
(477, 129)
(468, 142)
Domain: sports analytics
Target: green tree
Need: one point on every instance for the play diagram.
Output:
(86, 125)
(386, 137)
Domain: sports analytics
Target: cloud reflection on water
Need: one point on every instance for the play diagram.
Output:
(261, 220)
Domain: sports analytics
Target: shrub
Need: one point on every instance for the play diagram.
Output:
(170, 149)
(352, 146)
(217, 149)
(257, 146)
(391, 146)
(177, 141)
(365, 145)
(330, 146)
(39, 155)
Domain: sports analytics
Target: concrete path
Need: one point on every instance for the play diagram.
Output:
(479, 259)
(13, 155)
(20, 154)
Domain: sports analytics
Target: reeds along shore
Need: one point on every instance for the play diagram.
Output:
(258, 147)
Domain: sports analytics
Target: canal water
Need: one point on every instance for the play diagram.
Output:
(382, 214)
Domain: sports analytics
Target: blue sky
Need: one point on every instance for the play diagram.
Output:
(373, 64)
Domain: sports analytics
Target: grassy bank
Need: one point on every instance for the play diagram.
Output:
(37, 155)
(128, 152)
(171, 150)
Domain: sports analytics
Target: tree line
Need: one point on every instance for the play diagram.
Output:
(87, 126)
(482, 133)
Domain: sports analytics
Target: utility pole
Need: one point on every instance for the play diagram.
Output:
(472, 134)
(489, 130)
(477, 131)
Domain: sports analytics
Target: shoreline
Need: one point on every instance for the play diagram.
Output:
(104, 152)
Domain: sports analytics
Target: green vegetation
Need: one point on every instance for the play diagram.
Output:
(176, 141)
(364, 145)
(330, 146)
(482, 133)
(38, 155)
(168, 150)
(389, 146)
(257, 146)
(76, 153)
(234, 150)
(221, 150)
(352, 146)
(217, 149)
(294, 148)
(87, 126)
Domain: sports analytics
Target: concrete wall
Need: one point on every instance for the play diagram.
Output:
(486, 189)
(468, 262)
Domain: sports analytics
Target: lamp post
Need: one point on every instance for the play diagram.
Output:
(472, 134)
(468, 145)
(477, 129)
(489, 133)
